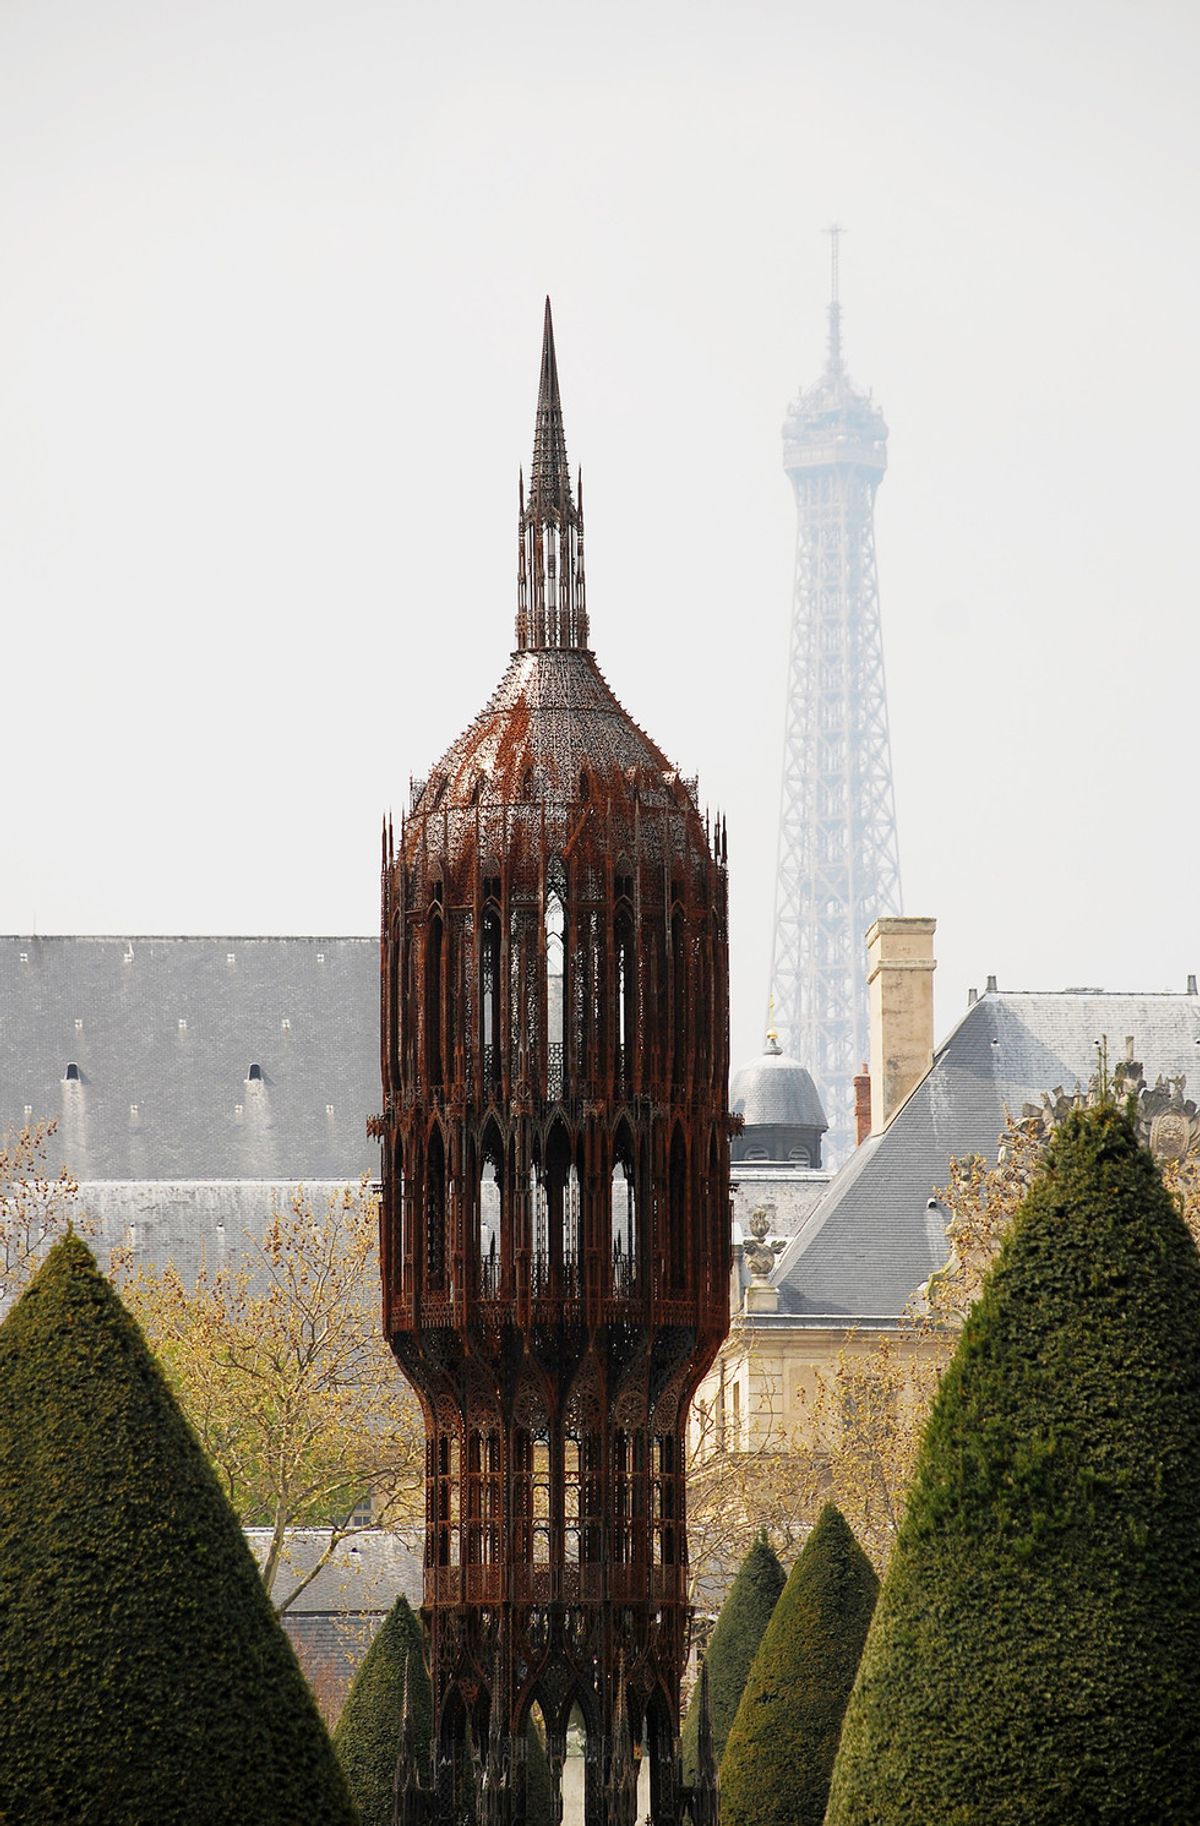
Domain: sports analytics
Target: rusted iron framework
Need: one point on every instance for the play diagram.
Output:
(556, 1228)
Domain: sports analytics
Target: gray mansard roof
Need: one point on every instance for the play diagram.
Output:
(163, 1033)
(874, 1237)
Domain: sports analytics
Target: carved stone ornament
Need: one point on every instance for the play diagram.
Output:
(1171, 1135)
(759, 1255)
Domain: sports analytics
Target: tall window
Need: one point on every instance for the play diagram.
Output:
(621, 1520)
(623, 1220)
(540, 1265)
(489, 1228)
(435, 1212)
(490, 997)
(677, 1207)
(555, 929)
(484, 1499)
(541, 1500)
(679, 990)
(395, 1270)
(666, 1520)
(570, 1233)
(572, 1504)
(445, 1489)
(433, 1000)
(625, 1000)
(591, 1498)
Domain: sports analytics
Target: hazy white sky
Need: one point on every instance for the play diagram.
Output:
(269, 331)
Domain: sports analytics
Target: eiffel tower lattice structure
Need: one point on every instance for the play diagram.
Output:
(839, 865)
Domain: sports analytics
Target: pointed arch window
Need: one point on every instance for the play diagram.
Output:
(489, 1229)
(433, 998)
(623, 1218)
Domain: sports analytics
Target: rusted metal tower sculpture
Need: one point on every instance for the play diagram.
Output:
(839, 866)
(556, 1230)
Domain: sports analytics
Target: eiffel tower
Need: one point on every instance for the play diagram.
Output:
(839, 866)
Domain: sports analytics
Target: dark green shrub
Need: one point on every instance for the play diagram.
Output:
(736, 1635)
(143, 1675)
(784, 1736)
(1035, 1656)
(367, 1737)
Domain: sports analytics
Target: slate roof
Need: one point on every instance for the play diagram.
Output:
(190, 1223)
(367, 1573)
(874, 1237)
(164, 1031)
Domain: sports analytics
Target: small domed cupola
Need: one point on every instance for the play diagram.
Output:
(780, 1108)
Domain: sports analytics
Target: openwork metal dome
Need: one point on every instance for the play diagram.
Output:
(556, 1230)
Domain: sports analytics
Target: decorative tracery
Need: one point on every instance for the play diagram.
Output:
(555, 1209)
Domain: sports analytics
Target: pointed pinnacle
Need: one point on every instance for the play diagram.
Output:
(550, 476)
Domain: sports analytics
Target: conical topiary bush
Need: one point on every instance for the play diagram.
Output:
(143, 1675)
(1035, 1656)
(782, 1742)
(367, 1737)
(732, 1646)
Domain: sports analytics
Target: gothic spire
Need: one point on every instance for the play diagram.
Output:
(549, 476)
(551, 609)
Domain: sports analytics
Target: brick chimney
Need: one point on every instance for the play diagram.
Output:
(900, 967)
(862, 1107)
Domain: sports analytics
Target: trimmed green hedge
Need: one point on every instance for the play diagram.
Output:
(784, 1736)
(1035, 1656)
(736, 1635)
(143, 1675)
(367, 1737)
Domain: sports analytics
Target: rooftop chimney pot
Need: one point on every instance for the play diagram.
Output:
(862, 1106)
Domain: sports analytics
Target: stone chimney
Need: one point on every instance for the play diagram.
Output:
(900, 967)
(862, 1107)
